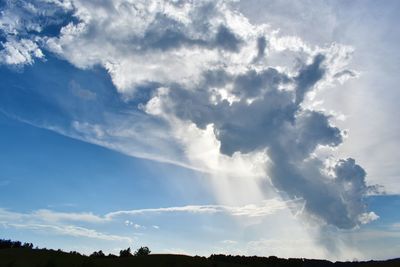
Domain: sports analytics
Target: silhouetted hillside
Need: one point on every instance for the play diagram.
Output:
(20, 255)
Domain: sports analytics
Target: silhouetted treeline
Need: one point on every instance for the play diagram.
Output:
(142, 251)
(272, 261)
(17, 254)
(14, 244)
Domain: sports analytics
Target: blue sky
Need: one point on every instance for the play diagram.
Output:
(199, 128)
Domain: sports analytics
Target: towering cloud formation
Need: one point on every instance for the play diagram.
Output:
(204, 64)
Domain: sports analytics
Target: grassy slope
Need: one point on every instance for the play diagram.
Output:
(47, 258)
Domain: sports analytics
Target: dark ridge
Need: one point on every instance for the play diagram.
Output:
(17, 254)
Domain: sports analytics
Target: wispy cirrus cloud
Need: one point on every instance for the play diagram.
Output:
(49, 216)
(86, 224)
(69, 230)
(265, 208)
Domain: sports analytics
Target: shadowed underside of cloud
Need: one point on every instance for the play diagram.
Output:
(209, 67)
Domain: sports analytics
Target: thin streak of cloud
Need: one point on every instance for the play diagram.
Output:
(267, 207)
(50, 216)
(70, 230)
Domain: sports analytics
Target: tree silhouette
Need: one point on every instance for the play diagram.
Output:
(125, 253)
(98, 254)
(16, 254)
(14, 244)
(142, 251)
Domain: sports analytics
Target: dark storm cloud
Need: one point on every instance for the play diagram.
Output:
(252, 83)
(274, 120)
(166, 33)
(226, 39)
(261, 47)
(308, 76)
(242, 126)
(345, 74)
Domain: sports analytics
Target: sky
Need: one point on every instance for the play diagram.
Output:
(198, 127)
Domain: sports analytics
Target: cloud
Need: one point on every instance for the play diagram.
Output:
(19, 52)
(138, 226)
(78, 91)
(23, 24)
(368, 217)
(288, 133)
(49, 216)
(167, 35)
(205, 68)
(396, 225)
(86, 224)
(261, 47)
(70, 230)
(229, 242)
(266, 208)
(134, 225)
(9, 215)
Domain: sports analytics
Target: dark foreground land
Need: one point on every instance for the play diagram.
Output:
(25, 257)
